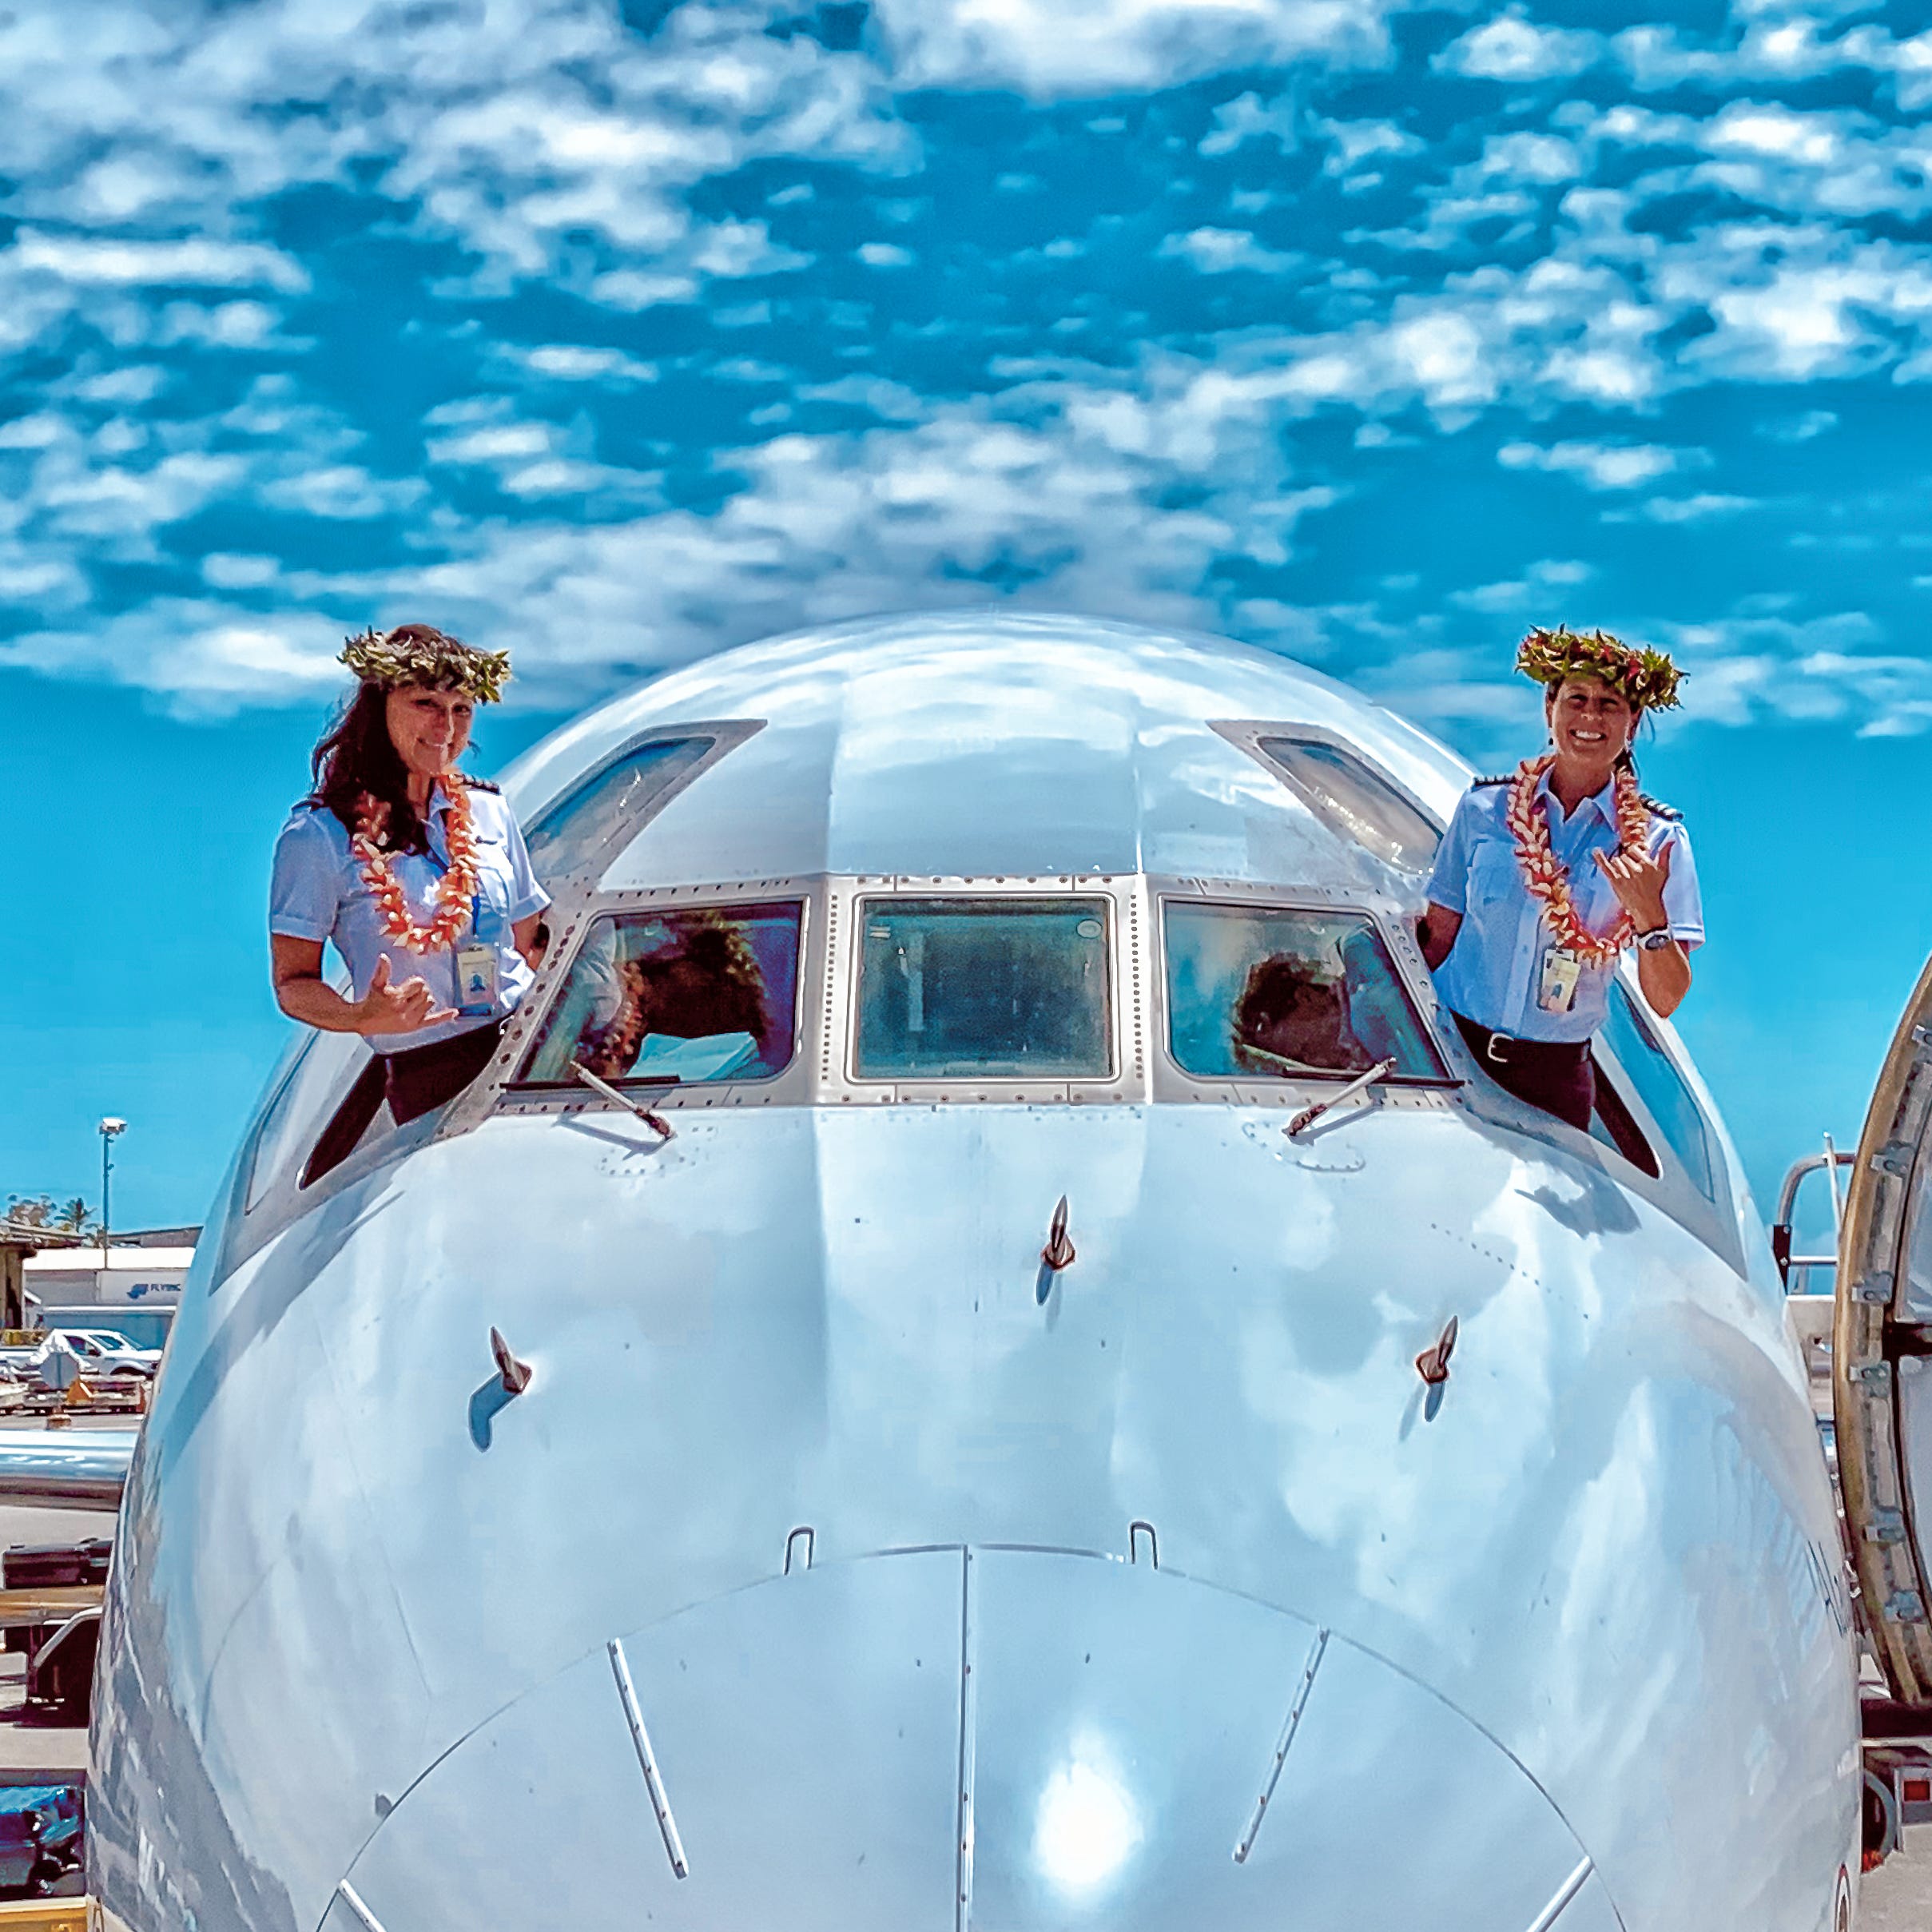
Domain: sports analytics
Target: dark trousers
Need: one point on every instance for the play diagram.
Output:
(1556, 1075)
(413, 1081)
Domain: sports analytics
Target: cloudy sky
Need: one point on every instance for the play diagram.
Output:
(619, 331)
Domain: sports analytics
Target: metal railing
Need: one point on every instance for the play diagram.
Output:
(1831, 1160)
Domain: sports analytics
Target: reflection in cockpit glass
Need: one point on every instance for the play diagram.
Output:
(592, 822)
(999, 988)
(1268, 992)
(707, 993)
(1359, 802)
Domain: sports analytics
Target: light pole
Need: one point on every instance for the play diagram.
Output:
(111, 1131)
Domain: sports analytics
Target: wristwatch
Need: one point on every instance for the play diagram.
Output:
(1655, 939)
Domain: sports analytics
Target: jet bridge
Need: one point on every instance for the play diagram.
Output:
(1880, 1365)
(1881, 1357)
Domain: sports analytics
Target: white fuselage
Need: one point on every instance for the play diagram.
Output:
(1568, 1632)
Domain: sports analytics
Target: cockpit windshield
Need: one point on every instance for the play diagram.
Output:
(701, 994)
(1261, 993)
(1002, 988)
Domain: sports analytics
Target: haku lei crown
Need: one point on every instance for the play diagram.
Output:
(1647, 679)
(420, 655)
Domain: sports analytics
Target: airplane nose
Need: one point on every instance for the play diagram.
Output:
(1001, 1739)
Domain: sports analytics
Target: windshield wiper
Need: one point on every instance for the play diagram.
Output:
(655, 1122)
(1361, 1085)
(1290, 1069)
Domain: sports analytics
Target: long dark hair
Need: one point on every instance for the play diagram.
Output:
(357, 755)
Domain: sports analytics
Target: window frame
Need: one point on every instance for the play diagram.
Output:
(1647, 1025)
(1296, 1088)
(515, 1089)
(726, 735)
(941, 1086)
(1246, 735)
(1712, 1217)
(836, 1081)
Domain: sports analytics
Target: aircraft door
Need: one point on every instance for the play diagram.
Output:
(1881, 1357)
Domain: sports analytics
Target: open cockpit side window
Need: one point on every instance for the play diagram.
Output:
(1613, 1123)
(1278, 992)
(315, 1090)
(576, 836)
(676, 997)
(1632, 1036)
(991, 988)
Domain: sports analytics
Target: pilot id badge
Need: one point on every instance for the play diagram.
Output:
(1562, 973)
(476, 975)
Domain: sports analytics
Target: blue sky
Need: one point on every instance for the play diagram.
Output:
(617, 333)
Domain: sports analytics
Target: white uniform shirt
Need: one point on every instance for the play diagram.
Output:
(1494, 971)
(318, 893)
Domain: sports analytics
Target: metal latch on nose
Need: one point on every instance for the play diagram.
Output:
(1059, 1253)
(1433, 1364)
(516, 1374)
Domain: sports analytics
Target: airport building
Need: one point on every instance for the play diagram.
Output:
(133, 1287)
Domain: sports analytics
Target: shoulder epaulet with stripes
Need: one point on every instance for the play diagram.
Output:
(1476, 783)
(479, 785)
(1657, 808)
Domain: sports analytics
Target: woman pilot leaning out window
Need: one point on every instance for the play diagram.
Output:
(1545, 877)
(417, 873)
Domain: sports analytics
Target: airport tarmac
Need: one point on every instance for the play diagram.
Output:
(1898, 1894)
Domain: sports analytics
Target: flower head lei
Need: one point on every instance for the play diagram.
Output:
(420, 655)
(1646, 678)
(416, 654)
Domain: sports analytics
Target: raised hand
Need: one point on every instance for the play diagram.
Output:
(397, 1009)
(1638, 880)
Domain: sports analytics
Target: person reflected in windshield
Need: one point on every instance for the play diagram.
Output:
(701, 982)
(1290, 1017)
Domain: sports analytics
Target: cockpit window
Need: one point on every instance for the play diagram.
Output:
(1001, 989)
(324, 1066)
(597, 816)
(1261, 993)
(1661, 1088)
(705, 993)
(1355, 800)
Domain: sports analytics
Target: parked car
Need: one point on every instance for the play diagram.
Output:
(101, 1351)
(96, 1352)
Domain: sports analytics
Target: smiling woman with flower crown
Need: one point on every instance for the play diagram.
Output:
(1545, 877)
(417, 874)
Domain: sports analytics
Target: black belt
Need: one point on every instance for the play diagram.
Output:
(1505, 1050)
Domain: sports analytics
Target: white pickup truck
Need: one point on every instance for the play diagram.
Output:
(99, 1351)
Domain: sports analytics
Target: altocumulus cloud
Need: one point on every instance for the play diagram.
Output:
(622, 334)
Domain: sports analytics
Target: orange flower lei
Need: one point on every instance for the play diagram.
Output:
(455, 890)
(1548, 883)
